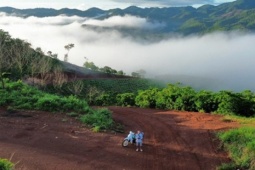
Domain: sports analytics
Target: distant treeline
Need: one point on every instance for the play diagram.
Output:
(176, 97)
(148, 94)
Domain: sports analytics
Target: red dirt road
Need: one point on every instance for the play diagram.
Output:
(173, 141)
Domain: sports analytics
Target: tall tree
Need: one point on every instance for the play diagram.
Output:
(68, 47)
(22, 52)
(5, 58)
(90, 65)
(141, 72)
(53, 55)
(45, 67)
(76, 87)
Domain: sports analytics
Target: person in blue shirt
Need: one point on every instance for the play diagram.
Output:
(139, 140)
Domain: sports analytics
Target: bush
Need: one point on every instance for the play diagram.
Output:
(4, 97)
(98, 119)
(227, 166)
(5, 164)
(147, 98)
(96, 129)
(104, 100)
(126, 99)
(228, 102)
(50, 102)
(240, 143)
(204, 102)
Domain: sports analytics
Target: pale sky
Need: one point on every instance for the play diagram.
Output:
(105, 4)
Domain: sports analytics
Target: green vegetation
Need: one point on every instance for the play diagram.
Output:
(125, 99)
(5, 164)
(177, 97)
(17, 95)
(148, 94)
(20, 96)
(104, 92)
(240, 143)
(244, 121)
(99, 120)
(105, 69)
(192, 26)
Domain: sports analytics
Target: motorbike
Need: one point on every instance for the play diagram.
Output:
(130, 139)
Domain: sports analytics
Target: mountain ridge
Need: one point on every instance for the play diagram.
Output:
(237, 15)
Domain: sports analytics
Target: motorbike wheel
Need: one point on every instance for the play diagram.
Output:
(125, 143)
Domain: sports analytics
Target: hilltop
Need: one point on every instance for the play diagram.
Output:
(237, 15)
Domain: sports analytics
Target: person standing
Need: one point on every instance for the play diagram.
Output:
(139, 140)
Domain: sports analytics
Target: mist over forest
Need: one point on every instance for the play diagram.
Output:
(214, 61)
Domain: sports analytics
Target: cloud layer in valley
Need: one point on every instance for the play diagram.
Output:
(126, 21)
(225, 60)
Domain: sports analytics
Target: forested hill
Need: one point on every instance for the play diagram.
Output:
(237, 15)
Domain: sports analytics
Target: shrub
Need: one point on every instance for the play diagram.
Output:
(4, 97)
(167, 97)
(16, 85)
(50, 102)
(5, 164)
(147, 98)
(96, 129)
(204, 101)
(126, 99)
(227, 166)
(228, 102)
(104, 100)
(98, 119)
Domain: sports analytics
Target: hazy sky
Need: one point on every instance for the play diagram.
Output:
(104, 4)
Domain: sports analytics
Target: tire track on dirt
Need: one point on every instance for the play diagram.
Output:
(168, 147)
(182, 142)
(140, 125)
(163, 137)
(173, 141)
(151, 145)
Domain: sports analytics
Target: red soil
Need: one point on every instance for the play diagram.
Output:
(173, 140)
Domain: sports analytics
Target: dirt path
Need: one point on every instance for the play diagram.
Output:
(173, 140)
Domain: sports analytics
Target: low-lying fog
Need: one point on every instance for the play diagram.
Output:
(217, 61)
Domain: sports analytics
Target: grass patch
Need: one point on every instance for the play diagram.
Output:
(244, 121)
(6, 165)
(240, 144)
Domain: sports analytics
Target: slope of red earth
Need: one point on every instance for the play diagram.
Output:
(173, 141)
